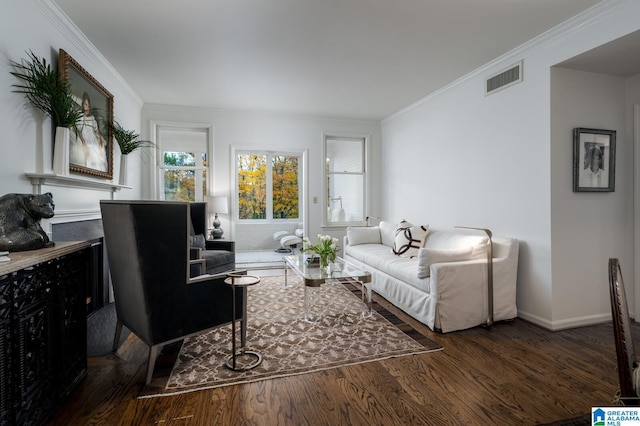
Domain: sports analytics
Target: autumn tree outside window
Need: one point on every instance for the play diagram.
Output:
(268, 186)
(184, 176)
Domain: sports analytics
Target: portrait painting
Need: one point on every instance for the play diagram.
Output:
(594, 160)
(91, 141)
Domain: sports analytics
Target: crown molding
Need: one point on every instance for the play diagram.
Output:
(68, 29)
(589, 17)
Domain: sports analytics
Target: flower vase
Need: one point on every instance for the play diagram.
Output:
(123, 170)
(61, 152)
(325, 265)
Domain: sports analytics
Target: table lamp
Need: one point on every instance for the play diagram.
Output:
(218, 205)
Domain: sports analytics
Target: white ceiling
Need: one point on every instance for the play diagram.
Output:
(338, 58)
(618, 57)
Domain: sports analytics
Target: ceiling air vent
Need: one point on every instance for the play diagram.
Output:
(504, 79)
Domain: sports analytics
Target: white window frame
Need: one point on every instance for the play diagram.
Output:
(269, 207)
(366, 178)
(156, 175)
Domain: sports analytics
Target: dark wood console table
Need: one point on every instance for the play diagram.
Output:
(43, 330)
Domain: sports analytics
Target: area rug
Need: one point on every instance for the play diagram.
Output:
(337, 334)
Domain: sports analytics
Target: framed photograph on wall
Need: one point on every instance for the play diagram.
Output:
(91, 142)
(594, 160)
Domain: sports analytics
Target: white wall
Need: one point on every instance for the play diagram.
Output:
(632, 133)
(239, 130)
(460, 158)
(27, 138)
(588, 228)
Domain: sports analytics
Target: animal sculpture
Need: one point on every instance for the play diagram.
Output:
(20, 216)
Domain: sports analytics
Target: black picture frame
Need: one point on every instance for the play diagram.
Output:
(91, 142)
(594, 160)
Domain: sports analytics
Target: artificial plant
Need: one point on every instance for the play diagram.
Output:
(128, 140)
(46, 90)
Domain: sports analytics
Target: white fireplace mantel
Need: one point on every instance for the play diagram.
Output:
(52, 179)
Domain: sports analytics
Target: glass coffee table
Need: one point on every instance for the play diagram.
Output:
(313, 276)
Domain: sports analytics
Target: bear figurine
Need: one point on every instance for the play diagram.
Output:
(20, 216)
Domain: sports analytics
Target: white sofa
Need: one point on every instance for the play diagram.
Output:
(445, 284)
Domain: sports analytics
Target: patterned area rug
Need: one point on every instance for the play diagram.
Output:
(337, 334)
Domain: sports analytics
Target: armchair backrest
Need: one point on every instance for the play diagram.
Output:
(147, 245)
(198, 215)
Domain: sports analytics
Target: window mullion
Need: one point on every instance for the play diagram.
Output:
(199, 187)
(269, 187)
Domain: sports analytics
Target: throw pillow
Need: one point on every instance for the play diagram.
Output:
(387, 232)
(409, 239)
(363, 235)
(197, 241)
(427, 257)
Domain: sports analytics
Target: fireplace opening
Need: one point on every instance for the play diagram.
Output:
(89, 230)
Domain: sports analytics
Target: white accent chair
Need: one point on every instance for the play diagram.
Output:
(286, 241)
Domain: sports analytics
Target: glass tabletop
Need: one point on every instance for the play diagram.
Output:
(313, 275)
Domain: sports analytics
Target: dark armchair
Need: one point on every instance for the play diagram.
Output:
(215, 260)
(147, 246)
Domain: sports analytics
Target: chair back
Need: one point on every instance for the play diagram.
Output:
(147, 246)
(625, 352)
(199, 218)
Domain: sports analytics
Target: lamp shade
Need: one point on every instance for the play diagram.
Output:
(218, 204)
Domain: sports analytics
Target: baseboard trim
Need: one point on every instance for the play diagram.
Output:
(565, 324)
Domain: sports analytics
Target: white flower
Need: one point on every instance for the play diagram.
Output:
(325, 246)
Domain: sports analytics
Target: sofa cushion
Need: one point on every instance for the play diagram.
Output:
(427, 256)
(387, 232)
(379, 257)
(374, 255)
(409, 239)
(363, 235)
(219, 260)
(453, 239)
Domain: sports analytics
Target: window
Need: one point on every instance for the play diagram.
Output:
(182, 164)
(252, 186)
(346, 180)
(268, 185)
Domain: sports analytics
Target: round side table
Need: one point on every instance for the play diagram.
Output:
(242, 359)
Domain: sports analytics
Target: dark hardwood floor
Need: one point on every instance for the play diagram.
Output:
(514, 373)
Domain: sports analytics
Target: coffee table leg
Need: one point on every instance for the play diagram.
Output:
(310, 299)
(306, 303)
(366, 298)
(286, 267)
